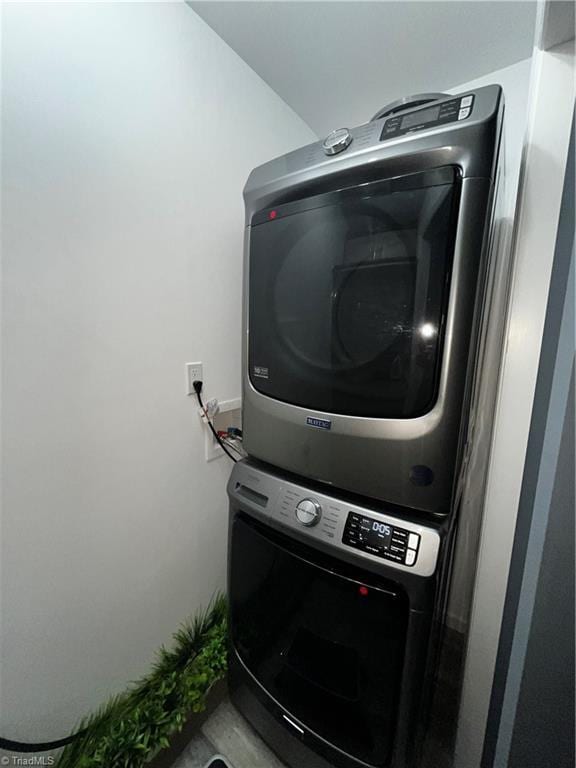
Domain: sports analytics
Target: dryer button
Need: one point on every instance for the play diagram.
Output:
(337, 141)
(410, 557)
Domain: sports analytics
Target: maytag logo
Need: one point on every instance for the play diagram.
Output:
(320, 423)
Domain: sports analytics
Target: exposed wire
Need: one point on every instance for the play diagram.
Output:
(198, 389)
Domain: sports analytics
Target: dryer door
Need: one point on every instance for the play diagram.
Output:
(326, 642)
(348, 296)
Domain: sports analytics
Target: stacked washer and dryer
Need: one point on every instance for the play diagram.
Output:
(366, 260)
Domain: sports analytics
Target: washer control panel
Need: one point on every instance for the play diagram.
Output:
(382, 539)
(436, 114)
(365, 533)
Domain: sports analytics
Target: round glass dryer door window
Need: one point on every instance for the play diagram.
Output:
(348, 296)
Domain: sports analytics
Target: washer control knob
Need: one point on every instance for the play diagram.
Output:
(337, 141)
(308, 512)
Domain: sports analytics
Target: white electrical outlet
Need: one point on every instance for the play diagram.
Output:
(193, 373)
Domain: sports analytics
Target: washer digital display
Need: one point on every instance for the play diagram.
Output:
(376, 534)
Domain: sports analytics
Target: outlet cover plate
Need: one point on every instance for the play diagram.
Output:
(193, 373)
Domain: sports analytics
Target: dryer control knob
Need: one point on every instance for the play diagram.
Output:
(337, 141)
(308, 512)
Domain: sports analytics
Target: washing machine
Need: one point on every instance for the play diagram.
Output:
(332, 605)
(365, 266)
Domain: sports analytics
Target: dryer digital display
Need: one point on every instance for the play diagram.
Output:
(422, 116)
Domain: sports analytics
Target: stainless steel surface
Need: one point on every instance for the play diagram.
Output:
(407, 102)
(308, 512)
(337, 141)
(283, 498)
(374, 457)
(467, 146)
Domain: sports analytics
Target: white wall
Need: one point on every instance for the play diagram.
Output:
(338, 64)
(128, 133)
(549, 126)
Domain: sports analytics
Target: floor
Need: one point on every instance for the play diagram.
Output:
(227, 733)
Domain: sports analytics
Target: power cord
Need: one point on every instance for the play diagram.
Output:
(198, 389)
(44, 746)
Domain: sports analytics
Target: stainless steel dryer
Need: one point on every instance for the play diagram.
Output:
(364, 272)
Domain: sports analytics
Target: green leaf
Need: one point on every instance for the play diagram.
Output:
(130, 729)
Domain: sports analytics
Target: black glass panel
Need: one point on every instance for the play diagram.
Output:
(329, 652)
(348, 297)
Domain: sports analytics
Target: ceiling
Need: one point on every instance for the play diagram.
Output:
(336, 63)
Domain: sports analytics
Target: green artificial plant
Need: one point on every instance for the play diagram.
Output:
(130, 730)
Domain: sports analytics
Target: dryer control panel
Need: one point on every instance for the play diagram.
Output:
(440, 113)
